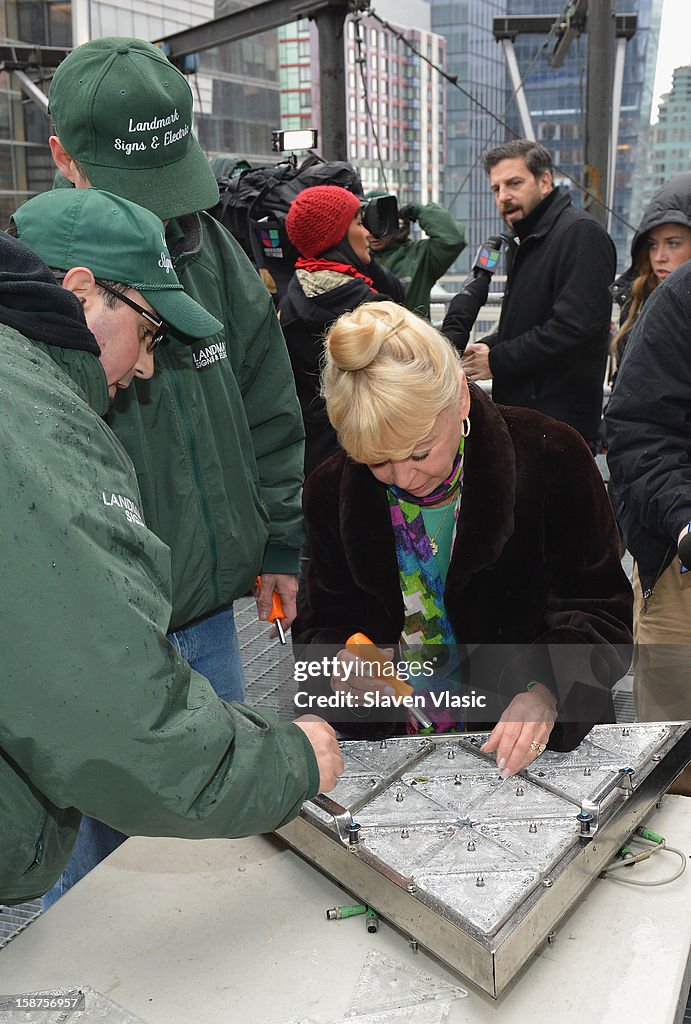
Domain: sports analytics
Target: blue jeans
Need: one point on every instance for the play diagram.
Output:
(211, 647)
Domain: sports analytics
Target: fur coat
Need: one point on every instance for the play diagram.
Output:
(534, 591)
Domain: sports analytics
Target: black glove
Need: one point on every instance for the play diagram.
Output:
(487, 256)
(410, 212)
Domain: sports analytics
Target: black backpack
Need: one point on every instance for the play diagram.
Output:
(254, 204)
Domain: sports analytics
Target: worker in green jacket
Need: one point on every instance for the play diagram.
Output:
(100, 714)
(216, 436)
(419, 265)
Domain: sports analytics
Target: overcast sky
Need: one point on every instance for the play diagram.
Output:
(675, 45)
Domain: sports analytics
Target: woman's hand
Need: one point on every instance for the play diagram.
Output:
(523, 731)
(359, 675)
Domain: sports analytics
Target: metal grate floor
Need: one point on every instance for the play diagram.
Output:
(14, 919)
(268, 664)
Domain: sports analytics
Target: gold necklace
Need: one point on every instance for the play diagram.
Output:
(433, 540)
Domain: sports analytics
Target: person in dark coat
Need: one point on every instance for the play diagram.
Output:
(661, 244)
(649, 433)
(480, 533)
(332, 276)
(549, 351)
(472, 295)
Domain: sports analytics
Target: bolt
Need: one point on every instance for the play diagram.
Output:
(411, 886)
(532, 827)
(471, 847)
(585, 819)
(405, 833)
(626, 731)
(383, 745)
(414, 945)
(479, 881)
(552, 938)
(353, 833)
(519, 790)
(547, 882)
(587, 771)
(451, 754)
(399, 796)
(657, 757)
(457, 780)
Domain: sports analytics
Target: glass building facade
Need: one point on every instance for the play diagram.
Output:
(26, 166)
(667, 148)
(478, 62)
(236, 89)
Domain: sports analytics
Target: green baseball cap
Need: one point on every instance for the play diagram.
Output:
(124, 113)
(117, 241)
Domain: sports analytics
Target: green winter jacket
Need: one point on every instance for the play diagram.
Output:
(216, 435)
(100, 715)
(419, 265)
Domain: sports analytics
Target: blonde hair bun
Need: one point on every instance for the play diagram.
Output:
(356, 339)
(387, 375)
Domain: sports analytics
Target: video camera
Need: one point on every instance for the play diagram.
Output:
(380, 216)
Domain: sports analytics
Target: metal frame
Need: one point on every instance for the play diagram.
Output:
(491, 962)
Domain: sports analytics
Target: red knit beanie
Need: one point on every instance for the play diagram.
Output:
(319, 218)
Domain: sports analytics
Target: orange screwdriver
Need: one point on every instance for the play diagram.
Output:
(400, 688)
(277, 614)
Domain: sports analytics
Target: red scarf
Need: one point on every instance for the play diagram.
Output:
(311, 265)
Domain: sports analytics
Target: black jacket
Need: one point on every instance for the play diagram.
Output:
(464, 308)
(550, 350)
(304, 322)
(649, 428)
(534, 589)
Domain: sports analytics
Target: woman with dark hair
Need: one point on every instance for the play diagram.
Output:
(333, 275)
(661, 244)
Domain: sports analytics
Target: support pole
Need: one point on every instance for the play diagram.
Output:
(332, 83)
(519, 92)
(601, 24)
(81, 21)
(616, 113)
(31, 90)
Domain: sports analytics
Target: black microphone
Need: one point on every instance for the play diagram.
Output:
(684, 550)
(487, 256)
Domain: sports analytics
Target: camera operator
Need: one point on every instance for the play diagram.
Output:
(419, 265)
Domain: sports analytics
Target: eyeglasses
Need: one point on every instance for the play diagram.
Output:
(160, 327)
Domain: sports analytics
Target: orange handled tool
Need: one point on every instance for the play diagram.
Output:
(356, 643)
(276, 615)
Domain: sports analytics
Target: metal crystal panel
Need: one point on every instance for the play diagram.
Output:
(477, 869)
